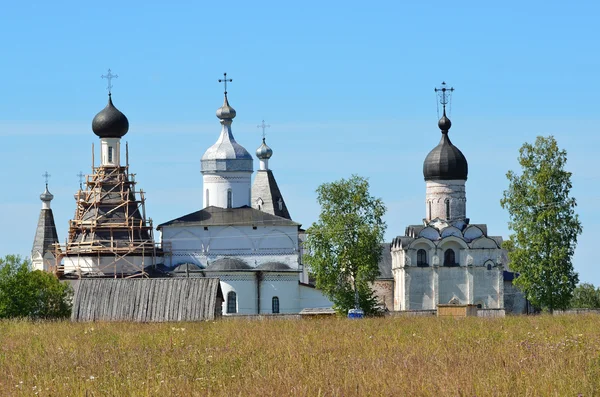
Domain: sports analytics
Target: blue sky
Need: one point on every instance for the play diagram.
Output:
(347, 87)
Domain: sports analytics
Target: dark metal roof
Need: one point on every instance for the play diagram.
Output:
(110, 122)
(226, 264)
(187, 267)
(266, 192)
(385, 263)
(45, 234)
(445, 161)
(217, 216)
(273, 267)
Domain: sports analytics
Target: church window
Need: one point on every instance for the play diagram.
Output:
(429, 209)
(110, 154)
(422, 258)
(231, 302)
(229, 198)
(450, 258)
(275, 304)
(489, 266)
(207, 198)
(447, 209)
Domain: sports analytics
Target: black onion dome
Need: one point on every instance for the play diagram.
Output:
(445, 161)
(110, 122)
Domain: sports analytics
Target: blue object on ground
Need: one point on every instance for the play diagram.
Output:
(355, 313)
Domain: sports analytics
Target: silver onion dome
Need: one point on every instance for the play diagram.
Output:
(46, 196)
(226, 111)
(264, 152)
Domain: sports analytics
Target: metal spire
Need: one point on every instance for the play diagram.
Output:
(224, 80)
(109, 76)
(263, 126)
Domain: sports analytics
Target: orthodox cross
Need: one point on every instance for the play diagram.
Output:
(46, 176)
(109, 76)
(263, 126)
(225, 80)
(444, 93)
(81, 175)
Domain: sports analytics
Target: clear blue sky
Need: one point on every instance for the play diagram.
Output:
(347, 87)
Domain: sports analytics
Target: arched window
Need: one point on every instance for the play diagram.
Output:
(449, 258)
(110, 154)
(229, 198)
(275, 304)
(422, 258)
(489, 266)
(207, 198)
(447, 209)
(231, 302)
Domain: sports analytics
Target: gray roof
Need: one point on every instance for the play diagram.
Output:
(266, 193)
(146, 300)
(187, 267)
(227, 264)
(385, 263)
(45, 234)
(273, 267)
(217, 216)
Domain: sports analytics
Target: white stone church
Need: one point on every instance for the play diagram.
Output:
(244, 234)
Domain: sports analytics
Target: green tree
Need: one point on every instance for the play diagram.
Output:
(586, 296)
(33, 294)
(544, 224)
(343, 247)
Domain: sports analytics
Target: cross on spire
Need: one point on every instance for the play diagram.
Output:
(46, 176)
(224, 80)
(263, 126)
(445, 94)
(109, 76)
(81, 175)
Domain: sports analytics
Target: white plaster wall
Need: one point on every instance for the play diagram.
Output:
(453, 282)
(255, 246)
(106, 264)
(419, 293)
(244, 285)
(115, 143)
(217, 185)
(312, 298)
(487, 287)
(436, 194)
(283, 286)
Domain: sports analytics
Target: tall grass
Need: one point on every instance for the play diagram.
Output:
(520, 356)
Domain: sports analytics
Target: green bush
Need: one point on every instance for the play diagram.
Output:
(31, 294)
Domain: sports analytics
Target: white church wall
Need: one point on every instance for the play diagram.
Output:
(437, 192)
(216, 189)
(453, 282)
(244, 285)
(487, 287)
(418, 289)
(106, 264)
(255, 246)
(284, 287)
(312, 298)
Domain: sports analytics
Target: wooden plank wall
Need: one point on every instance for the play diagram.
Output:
(146, 300)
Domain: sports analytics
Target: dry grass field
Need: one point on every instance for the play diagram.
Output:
(520, 356)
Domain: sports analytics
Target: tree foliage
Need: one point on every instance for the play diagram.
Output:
(32, 294)
(544, 224)
(586, 296)
(343, 247)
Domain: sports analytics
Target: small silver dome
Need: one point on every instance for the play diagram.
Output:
(264, 152)
(46, 196)
(226, 111)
